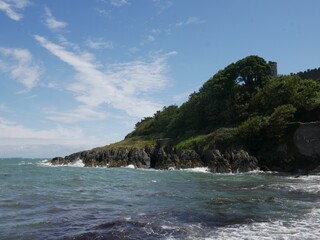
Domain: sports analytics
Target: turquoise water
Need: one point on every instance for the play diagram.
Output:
(39, 201)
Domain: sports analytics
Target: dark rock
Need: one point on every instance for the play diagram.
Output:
(189, 159)
(243, 162)
(307, 140)
(230, 161)
(58, 161)
(139, 158)
(164, 158)
(298, 152)
(216, 162)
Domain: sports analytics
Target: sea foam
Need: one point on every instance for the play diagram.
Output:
(47, 163)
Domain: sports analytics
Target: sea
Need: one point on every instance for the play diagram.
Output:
(41, 201)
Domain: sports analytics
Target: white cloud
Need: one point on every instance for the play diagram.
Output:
(20, 66)
(119, 3)
(190, 21)
(12, 130)
(123, 86)
(12, 8)
(17, 140)
(39, 151)
(51, 22)
(99, 43)
(83, 112)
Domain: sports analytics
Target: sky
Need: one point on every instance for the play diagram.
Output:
(79, 74)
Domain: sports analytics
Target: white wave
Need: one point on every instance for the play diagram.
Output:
(197, 169)
(24, 163)
(306, 177)
(131, 166)
(47, 163)
(78, 163)
(304, 184)
(306, 228)
(168, 227)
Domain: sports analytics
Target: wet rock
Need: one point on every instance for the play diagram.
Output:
(216, 162)
(58, 161)
(230, 161)
(243, 162)
(139, 158)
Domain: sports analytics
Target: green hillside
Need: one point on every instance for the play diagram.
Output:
(240, 106)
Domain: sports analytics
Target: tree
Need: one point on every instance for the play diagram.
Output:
(279, 119)
(253, 71)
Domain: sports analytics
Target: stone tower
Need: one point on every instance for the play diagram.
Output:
(273, 68)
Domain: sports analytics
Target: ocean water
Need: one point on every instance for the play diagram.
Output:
(40, 201)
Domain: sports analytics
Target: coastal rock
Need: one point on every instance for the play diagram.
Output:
(216, 162)
(164, 158)
(230, 161)
(170, 158)
(243, 162)
(189, 159)
(58, 161)
(139, 158)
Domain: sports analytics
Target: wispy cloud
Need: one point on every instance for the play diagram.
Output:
(190, 21)
(51, 22)
(83, 112)
(12, 8)
(66, 43)
(103, 12)
(123, 86)
(19, 64)
(99, 43)
(162, 5)
(119, 3)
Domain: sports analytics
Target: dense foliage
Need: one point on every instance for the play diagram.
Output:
(240, 105)
(310, 74)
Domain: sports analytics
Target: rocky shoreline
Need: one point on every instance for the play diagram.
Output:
(164, 158)
(300, 153)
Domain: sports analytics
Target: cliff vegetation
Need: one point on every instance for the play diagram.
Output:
(240, 106)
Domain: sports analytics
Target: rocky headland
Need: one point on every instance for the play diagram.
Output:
(245, 117)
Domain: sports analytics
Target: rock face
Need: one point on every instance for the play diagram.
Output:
(230, 161)
(307, 140)
(164, 158)
(299, 152)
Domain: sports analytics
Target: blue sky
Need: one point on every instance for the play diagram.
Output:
(79, 74)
